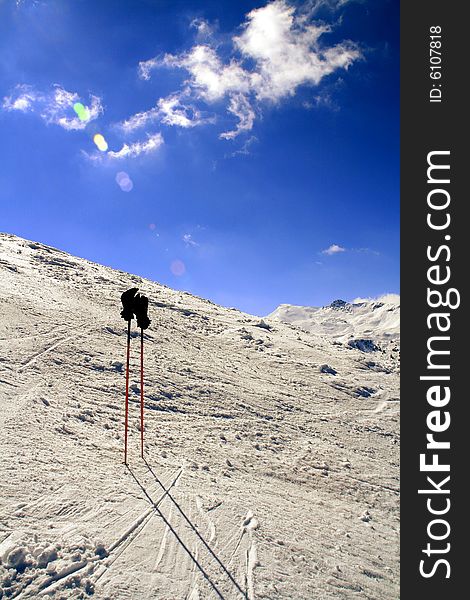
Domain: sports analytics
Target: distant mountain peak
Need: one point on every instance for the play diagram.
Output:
(338, 304)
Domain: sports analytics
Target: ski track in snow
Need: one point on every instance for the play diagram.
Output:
(266, 475)
(249, 525)
(48, 349)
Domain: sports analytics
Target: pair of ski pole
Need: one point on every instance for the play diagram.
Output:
(135, 305)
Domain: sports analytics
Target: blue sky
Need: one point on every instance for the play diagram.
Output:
(249, 151)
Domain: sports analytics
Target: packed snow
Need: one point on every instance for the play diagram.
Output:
(271, 449)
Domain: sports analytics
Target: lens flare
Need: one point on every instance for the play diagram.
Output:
(100, 142)
(152, 226)
(82, 111)
(124, 181)
(127, 185)
(120, 176)
(178, 268)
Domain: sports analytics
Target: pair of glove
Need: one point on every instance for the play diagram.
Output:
(135, 304)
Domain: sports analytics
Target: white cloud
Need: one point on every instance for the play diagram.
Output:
(139, 120)
(311, 7)
(203, 28)
(333, 249)
(385, 298)
(278, 50)
(169, 111)
(148, 146)
(245, 148)
(287, 51)
(22, 103)
(54, 107)
(336, 249)
(146, 66)
(241, 108)
(23, 99)
(59, 108)
(211, 79)
(189, 241)
(366, 251)
(172, 112)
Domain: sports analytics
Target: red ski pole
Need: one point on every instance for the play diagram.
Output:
(127, 390)
(142, 392)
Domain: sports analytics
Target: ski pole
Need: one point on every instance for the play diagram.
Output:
(127, 390)
(141, 392)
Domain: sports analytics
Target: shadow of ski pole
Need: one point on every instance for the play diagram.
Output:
(174, 532)
(194, 528)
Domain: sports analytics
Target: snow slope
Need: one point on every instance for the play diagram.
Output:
(266, 476)
(377, 319)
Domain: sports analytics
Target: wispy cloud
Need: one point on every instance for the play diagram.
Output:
(169, 111)
(146, 66)
(139, 120)
(333, 249)
(278, 50)
(312, 7)
(59, 108)
(204, 29)
(210, 78)
(189, 241)
(148, 146)
(23, 98)
(336, 249)
(173, 112)
(133, 150)
(245, 148)
(53, 106)
(388, 298)
(366, 251)
(241, 108)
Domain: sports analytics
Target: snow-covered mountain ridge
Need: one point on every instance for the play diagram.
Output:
(375, 319)
(271, 453)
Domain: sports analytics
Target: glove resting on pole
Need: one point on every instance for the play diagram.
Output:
(127, 299)
(141, 305)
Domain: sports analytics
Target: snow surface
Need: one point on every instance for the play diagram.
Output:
(272, 453)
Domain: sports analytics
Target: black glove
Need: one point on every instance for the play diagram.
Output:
(141, 305)
(127, 299)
